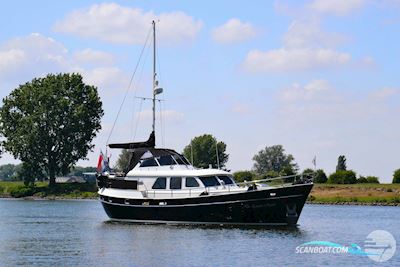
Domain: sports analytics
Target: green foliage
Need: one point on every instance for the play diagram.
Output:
(396, 177)
(320, 177)
(78, 170)
(204, 151)
(270, 174)
(372, 180)
(9, 172)
(41, 189)
(341, 166)
(22, 191)
(362, 180)
(308, 173)
(49, 123)
(342, 177)
(241, 176)
(274, 159)
(123, 161)
(29, 172)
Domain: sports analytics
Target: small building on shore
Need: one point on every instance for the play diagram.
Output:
(70, 180)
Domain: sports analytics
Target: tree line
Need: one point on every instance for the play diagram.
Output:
(49, 124)
(272, 161)
(13, 172)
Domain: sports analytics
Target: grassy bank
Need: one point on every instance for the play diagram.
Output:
(368, 194)
(363, 194)
(42, 190)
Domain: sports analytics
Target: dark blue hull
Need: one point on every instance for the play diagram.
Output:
(278, 206)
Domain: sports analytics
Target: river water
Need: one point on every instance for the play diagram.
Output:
(78, 233)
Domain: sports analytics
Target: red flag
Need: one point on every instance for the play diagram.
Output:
(100, 163)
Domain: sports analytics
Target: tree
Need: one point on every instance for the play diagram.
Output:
(49, 123)
(362, 180)
(204, 152)
(318, 176)
(8, 172)
(372, 179)
(241, 176)
(123, 160)
(341, 165)
(396, 177)
(78, 170)
(343, 177)
(274, 159)
(308, 173)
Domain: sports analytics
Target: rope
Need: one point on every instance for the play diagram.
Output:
(139, 80)
(129, 86)
(138, 120)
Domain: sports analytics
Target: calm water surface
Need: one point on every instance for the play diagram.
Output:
(78, 233)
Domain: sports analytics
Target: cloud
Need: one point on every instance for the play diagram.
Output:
(35, 55)
(336, 7)
(307, 33)
(384, 93)
(301, 59)
(111, 22)
(10, 59)
(234, 31)
(316, 89)
(93, 57)
(106, 78)
(31, 56)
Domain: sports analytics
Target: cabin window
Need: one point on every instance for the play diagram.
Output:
(180, 160)
(209, 181)
(191, 182)
(175, 183)
(226, 179)
(150, 162)
(160, 183)
(166, 160)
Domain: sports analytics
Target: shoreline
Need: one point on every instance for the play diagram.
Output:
(323, 194)
(336, 203)
(353, 203)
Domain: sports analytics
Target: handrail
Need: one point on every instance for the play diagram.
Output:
(269, 179)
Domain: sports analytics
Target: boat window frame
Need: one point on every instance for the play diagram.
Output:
(166, 183)
(173, 160)
(155, 160)
(210, 176)
(230, 178)
(194, 178)
(175, 177)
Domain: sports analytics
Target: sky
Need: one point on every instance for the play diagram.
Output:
(320, 77)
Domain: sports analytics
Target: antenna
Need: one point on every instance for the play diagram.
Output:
(216, 150)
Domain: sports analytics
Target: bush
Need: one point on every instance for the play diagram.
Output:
(372, 180)
(396, 177)
(342, 177)
(308, 173)
(320, 177)
(22, 191)
(241, 176)
(362, 180)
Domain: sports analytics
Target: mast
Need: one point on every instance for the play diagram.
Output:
(154, 76)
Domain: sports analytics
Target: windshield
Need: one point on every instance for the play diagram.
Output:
(227, 180)
(209, 181)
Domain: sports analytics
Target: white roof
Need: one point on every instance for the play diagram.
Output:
(167, 172)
